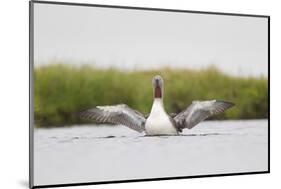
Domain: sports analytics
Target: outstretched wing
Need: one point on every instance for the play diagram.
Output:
(117, 114)
(199, 111)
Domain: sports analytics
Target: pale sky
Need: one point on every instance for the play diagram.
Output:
(138, 39)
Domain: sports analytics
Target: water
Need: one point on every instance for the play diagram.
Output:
(103, 153)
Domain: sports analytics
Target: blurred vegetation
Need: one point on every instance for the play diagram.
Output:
(61, 90)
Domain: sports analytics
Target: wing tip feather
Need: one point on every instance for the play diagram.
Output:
(84, 114)
(229, 104)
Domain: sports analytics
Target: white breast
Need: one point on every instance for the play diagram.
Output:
(158, 122)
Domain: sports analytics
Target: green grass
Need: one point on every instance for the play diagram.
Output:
(61, 90)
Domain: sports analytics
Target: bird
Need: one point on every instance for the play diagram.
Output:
(158, 122)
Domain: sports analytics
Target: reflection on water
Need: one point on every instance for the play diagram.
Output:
(101, 153)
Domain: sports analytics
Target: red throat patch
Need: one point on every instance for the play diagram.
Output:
(157, 93)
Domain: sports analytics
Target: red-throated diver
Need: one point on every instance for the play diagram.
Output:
(158, 122)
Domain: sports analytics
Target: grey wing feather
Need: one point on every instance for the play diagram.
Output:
(117, 114)
(199, 111)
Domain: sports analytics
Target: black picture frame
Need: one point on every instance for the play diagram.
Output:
(31, 112)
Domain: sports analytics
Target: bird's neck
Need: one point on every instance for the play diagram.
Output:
(158, 92)
(157, 106)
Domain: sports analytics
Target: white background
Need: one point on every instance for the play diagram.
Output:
(128, 39)
(14, 93)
